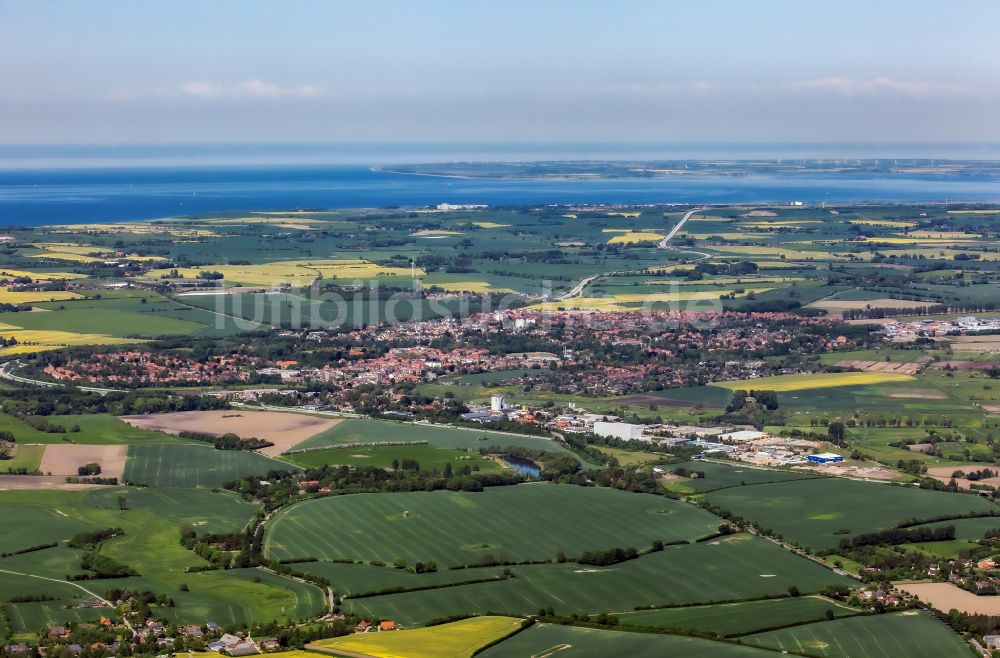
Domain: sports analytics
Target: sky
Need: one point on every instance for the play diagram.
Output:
(248, 71)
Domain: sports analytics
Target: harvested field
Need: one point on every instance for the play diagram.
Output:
(946, 596)
(282, 429)
(918, 395)
(975, 343)
(943, 474)
(963, 365)
(880, 366)
(61, 459)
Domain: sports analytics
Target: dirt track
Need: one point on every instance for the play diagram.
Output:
(25, 482)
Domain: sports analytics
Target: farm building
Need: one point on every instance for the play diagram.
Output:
(625, 431)
(826, 458)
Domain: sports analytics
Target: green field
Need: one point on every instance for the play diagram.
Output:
(731, 619)
(722, 476)
(351, 579)
(365, 430)
(910, 634)
(523, 522)
(95, 429)
(732, 568)
(34, 617)
(429, 457)
(25, 456)
(967, 528)
(167, 465)
(821, 512)
(152, 522)
(550, 640)
(37, 526)
(111, 322)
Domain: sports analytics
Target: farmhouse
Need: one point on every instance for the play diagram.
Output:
(825, 458)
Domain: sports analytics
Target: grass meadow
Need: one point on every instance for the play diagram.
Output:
(821, 512)
(731, 619)
(730, 568)
(550, 640)
(912, 634)
(523, 522)
(166, 465)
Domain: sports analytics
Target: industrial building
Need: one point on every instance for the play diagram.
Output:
(626, 431)
(826, 458)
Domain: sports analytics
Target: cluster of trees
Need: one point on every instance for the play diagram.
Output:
(608, 557)
(284, 486)
(897, 536)
(218, 549)
(752, 400)
(89, 541)
(93, 468)
(227, 441)
(101, 566)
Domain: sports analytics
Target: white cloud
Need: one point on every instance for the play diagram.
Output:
(203, 89)
(880, 85)
(255, 88)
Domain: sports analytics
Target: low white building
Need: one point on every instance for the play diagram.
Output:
(626, 431)
(743, 436)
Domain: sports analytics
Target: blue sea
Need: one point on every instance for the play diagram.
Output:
(59, 185)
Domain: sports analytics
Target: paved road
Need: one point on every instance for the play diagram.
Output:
(665, 241)
(578, 288)
(7, 372)
(662, 244)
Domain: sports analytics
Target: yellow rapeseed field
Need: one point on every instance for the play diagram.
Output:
(467, 286)
(27, 297)
(297, 273)
(913, 240)
(631, 237)
(632, 301)
(458, 639)
(40, 340)
(943, 235)
(137, 227)
(785, 383)
(490, 225)
(9, 273)
(884, 222)
(79, 253)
